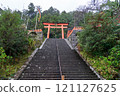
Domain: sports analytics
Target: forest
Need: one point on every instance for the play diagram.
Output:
(98, 43)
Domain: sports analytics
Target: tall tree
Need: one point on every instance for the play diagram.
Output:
(31, 10)
(51, 11)
(32, 14)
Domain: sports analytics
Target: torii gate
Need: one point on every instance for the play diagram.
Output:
(58, 25)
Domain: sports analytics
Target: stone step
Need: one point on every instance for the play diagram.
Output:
(45, 65)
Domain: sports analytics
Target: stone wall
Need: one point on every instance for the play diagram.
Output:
(73, 38)
(37, 35)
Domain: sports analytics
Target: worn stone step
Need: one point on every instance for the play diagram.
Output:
(45, 65)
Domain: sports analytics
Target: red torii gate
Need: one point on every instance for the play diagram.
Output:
(58, 25)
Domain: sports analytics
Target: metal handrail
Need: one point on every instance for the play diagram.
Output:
(61, 74)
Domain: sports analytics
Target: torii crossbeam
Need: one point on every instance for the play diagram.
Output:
(54, 25)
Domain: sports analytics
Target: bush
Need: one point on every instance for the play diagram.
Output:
(100, 45)
(13, 37)
(102, 65)
(4, 63)
(4, 59)
(98, 40)
(31, 43)
(114, 56)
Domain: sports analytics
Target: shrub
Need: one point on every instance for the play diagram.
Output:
(13, 37)
(4, 59)
(31, 43)
(115, 56)
(4, 63)
(98, 40)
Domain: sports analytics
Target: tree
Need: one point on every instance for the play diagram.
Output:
(100, 34)
(31, 10)
(52, 11)
(31, 16)
(78, 18)
(25, 17)
(13, 37)
(52, 15)
(65, 17)
(113, 7)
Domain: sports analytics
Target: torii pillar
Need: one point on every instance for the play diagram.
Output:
(58, 25)
(62, 32)
(48, 34)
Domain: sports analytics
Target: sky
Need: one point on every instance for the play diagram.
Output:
(67, 5)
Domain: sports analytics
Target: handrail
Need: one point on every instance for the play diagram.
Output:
(75, 28)
(61, 74)
(70, 34)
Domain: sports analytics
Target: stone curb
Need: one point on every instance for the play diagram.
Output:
(43, 44)
(69, 44)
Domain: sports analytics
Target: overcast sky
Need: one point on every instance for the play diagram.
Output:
(67, 5)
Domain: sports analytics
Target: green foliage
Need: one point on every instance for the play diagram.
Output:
(112, 6)
(51, 11)
(112, 61)
(7, 68)
(31, 23)
(114, 56)
(102, 65)
(31, 43)
(105, 68)
(98, 40)
(52, 15)
(13, 36)
(31, 20)
(31, 10)
(1, 10)
(4, 63)
(4, 59)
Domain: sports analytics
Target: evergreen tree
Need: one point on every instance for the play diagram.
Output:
(13, 38)
(31, 10)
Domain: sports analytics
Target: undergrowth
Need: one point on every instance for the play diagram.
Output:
(108, 67)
